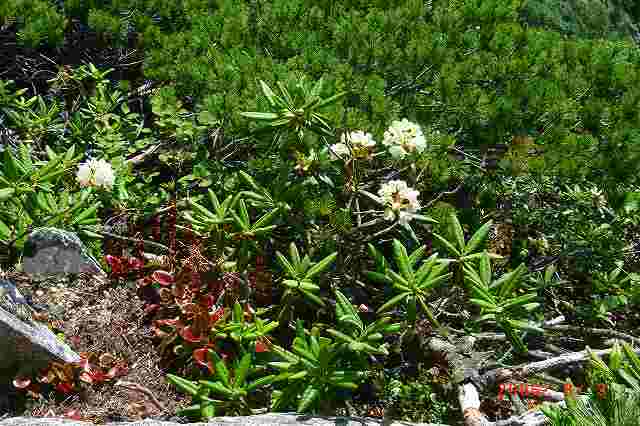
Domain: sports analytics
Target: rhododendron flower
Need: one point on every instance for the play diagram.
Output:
(339, 151)
(404, 137)
(401, 199)
(96, 173)
(361, 145)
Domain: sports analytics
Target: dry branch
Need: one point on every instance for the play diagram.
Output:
(500, 375)
(139, 388)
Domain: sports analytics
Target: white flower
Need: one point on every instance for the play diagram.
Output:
(96, 173)
(358, 139)
(401, 199)
(361, 144)
(339, 150)
(404, 137)
(84, 174)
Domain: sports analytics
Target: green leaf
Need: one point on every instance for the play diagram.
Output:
(268, 93)
(311, 393)
(331, 99)
(242, 371)
(485, 269)
(483, 303)
(398, 279)
(260, 115)
(266, 219)
(317, 300)
(294, 255)
(289, 269)
(185, 385)
(321, 266)
(378, 277)
(263, 381)
(455, 230)
(402, 259)
(6, 193)
(417, 255)
(217, 387)
(220, 368)
(393, 301)
(478, 237)
(524, 325)
(452, 249)
(517, 301)
(202, 210)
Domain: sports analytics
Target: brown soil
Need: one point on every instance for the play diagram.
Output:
(102, 317)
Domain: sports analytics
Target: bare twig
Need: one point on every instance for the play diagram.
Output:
(499, 375)
(140, 157)
(139, 388)
(134, 240)
(595, 331)
(442, 194)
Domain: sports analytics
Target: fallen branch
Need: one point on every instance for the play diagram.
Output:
(500, 375)
(595, 331)
(133, 240)
(139, 388)
(140, 157)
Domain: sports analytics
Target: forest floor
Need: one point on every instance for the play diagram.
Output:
(97, 318)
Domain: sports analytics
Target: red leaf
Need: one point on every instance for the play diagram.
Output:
(187, 334)
(21, 382)
(189, 308)
(99, 376)
(73, 415)
(217, 315)
(163, 277)
(135, 263)
(151, 308)
(261, 347)
(111, 260)
(84, 364)
(207, 301)
(200, 355)
(86, 377)
(118, 370)
(64, 388)
(170, 322)
(143, 282)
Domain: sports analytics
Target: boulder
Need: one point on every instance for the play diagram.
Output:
(52, 251)
(274, 419)
(27, 345)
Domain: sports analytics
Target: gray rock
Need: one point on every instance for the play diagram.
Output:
(26, 346)
(52, 251)
(259, 420)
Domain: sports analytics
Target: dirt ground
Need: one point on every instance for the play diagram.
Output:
(101, 317)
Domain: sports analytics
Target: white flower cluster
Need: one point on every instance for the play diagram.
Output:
(361, 143)
(96, 173)
(404, 137)
(400, 198)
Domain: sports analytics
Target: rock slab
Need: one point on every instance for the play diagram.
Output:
(53, 251)
(258, 420)
(26, 347)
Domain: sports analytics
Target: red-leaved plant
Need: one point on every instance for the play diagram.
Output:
(91, 369)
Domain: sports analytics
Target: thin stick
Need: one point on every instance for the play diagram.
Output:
(524, 370)
(133, 240)
(596, 331)
(139, 388)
